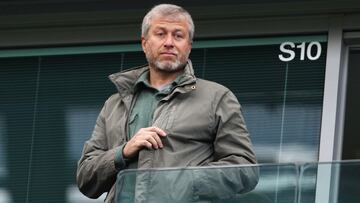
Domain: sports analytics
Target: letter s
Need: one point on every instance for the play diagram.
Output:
(290, 52)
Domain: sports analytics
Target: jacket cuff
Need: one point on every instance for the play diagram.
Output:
(119, 160)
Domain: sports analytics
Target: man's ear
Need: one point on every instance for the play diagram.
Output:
(190, 46)
(143, 43)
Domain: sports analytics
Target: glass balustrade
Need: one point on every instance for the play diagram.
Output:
(229, 184)
(333, 182)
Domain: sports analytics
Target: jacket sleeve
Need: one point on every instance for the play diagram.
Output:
(232, 143)
(232, 146)
(96, 171)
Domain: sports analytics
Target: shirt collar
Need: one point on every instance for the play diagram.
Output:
(143, 82)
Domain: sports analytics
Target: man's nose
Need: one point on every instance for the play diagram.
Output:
(169, 41)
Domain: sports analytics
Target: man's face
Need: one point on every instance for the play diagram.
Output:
(167, 45)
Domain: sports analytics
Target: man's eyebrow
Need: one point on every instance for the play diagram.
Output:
(180, 30)
(160, 27)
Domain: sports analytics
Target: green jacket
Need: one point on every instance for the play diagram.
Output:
(202, 119)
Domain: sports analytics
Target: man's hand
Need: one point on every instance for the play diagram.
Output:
(145, 137)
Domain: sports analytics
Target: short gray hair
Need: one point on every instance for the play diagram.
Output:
(167, 10)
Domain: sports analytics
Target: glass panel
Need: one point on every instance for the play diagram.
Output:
(18, 87)
(260, 184)
(307, 183)
(4, 193)
(3, 165)
(330, 182)
(282, 101)
(50, 104)
(72, 91)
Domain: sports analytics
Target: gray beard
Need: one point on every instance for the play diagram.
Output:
(166, 66)
(169, 66)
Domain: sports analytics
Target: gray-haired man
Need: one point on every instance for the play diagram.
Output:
(162, 115)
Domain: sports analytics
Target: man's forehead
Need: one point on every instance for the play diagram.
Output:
(159, 22)
(176, 19)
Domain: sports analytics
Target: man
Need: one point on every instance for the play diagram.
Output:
(162, 115)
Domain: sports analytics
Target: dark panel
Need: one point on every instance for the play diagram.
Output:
(351, 142)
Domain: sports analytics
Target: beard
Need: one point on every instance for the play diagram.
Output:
(167, 65)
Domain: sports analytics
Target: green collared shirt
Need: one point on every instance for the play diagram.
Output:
(146, 101)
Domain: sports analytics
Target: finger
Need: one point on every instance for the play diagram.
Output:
(158, 140)
(159, 131)
(152, 140)
(147, 144)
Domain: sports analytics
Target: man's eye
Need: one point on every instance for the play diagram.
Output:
(179, 36)
(160, 34)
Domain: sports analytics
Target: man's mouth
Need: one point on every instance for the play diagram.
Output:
(168, 53)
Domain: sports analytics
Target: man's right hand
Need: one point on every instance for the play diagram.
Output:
(145, 137)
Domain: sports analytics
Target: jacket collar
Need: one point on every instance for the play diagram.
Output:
(125, 80)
